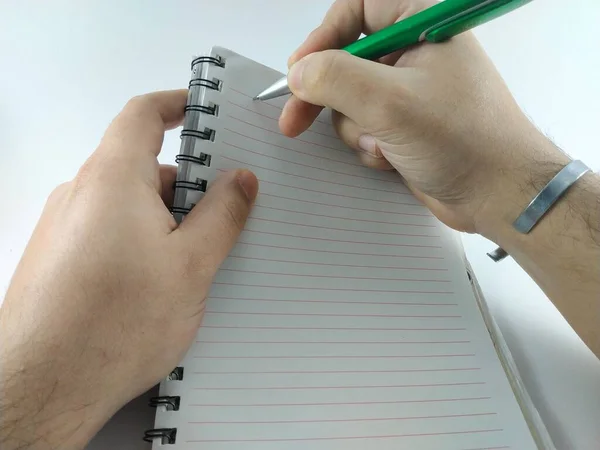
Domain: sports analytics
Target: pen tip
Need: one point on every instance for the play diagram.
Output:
(255, 98)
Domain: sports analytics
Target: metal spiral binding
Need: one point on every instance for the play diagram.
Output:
(199, 80)
(166, 435)
(176, 374)
(171, 402)
(213, 84)
(211, 109)
(198, 185)
(203, 159)
(216, 60)
(180, 210)
(207, 134)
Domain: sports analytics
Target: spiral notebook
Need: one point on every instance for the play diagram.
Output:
(345, 317)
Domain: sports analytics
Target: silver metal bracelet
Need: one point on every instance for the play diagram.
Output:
(543, 202)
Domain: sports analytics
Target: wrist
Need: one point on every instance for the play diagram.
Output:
(562, 251)
(532, 164)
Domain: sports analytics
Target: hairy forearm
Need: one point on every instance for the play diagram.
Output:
(44, 403)
(562, 253)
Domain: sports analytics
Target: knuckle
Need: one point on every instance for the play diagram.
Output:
(89, 171)
(99, 173)
(84, 175)
(323, 71)
(137, 103)
(138, 108)
(392, 106)
(58, 192)
(61, 189)
(142, 109)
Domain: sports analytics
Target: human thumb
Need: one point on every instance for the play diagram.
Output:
(211, 229)
(347, 84)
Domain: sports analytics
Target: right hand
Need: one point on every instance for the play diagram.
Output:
(440, 114)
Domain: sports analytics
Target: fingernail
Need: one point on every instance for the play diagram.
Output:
(292, 59)
(249, 184)
(295, 75)
(284, 111)
(368, 144)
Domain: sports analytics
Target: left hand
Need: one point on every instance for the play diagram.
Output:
(110, 291)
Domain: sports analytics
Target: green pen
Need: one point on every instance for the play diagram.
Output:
(435, 24)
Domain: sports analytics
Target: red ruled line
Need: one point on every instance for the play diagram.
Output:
(310, 288)
(334, 301)
(311, 178)
(274, 106)
(402, 316)
(277, 120)
(353, 219)
(354, 231)
(346, 151)
(368, 419)
(340, 253)
(263, 194)
(272, 233)
(337, 276)
(228, 327)
(338, 371)
(297, 151)
(465, 355)
(347, 196)
(390, 402)
(335, 342)
(340, 195)
(345, 438)
(362, 177)
(338, 265)
(294, 388)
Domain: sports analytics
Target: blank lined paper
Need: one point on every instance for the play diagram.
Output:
(343, 318)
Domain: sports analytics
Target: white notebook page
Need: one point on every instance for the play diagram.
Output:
(343, 318)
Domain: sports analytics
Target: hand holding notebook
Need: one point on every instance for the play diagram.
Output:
(106, 277)
(345, 316)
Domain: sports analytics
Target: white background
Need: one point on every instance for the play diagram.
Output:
(67, 67)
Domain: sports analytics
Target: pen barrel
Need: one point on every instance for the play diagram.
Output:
(384, 42)
(473, 18)
(435, 24)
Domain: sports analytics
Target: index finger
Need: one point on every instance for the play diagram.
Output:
(136, 135)
(347, 19)
(342, 25)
